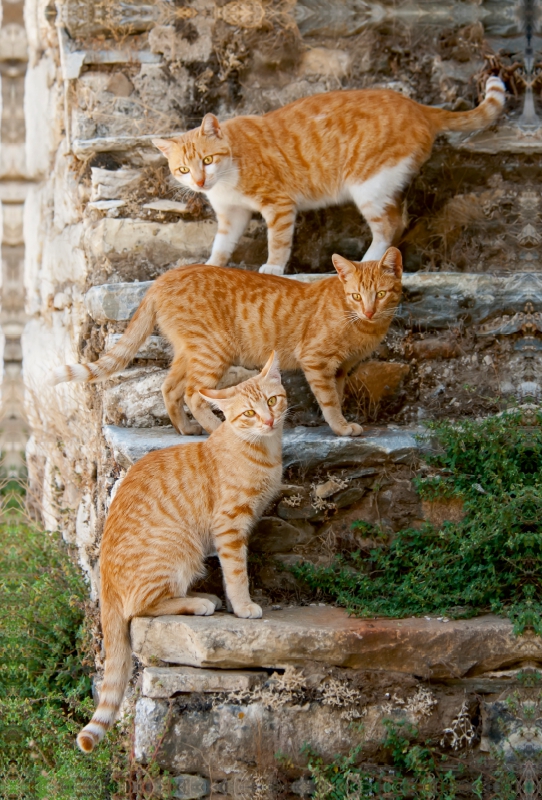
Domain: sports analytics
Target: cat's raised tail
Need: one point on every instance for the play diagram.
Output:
(118, 666)
(488, 111)
(139, 329)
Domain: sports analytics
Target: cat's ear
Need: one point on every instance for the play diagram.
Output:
(392, 261)
(271, 370)
(220, 398)
(164, 145)
(210, 126)
(345, 269)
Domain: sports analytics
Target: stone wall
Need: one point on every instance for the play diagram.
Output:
(102, 217)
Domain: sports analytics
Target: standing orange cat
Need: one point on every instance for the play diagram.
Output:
(216, 317)
(173, 508)
(360, 145)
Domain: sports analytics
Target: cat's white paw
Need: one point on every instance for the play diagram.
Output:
(203, 607)
(216, 601)
(248, 611)
(353, 429)
(272, 269)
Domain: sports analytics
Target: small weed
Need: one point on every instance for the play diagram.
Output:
(489, 561)
(412, 771)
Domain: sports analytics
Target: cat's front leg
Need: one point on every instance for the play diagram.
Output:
(232, 222)
(280, 221)
(232, 553)
(322, 380)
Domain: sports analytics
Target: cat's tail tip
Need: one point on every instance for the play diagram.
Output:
(90, 736)
(71, 372)
(495, 88)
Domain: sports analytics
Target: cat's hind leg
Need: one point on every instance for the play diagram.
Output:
(232, 222)
(212, 597)
(378, 200)
(199, 606)
(322, 379)
(173, 390)
(204, 372)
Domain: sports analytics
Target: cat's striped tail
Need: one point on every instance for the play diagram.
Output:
(118, 666)
(139, 329)
(488, 111)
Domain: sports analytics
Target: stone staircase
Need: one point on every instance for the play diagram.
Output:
(210, 687)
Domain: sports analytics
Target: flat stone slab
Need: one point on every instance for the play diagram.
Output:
(167, 681)
(427, 648)
(431, 300)
(307, 447)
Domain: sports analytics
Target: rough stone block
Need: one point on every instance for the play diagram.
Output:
(307, 447)
(135, 399)
(167, 681)
(159, 244)
(110, 184)
(428, 647)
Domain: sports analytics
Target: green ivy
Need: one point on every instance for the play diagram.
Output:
(490, 561)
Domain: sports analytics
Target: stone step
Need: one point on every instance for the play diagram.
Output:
(433, 648)
(431, 300)
(304, 447)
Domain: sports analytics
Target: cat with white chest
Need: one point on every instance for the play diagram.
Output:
(361, 145)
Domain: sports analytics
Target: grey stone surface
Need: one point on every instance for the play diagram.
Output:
(428, 648)
(167, 681)
(306, 447)
(430, 300)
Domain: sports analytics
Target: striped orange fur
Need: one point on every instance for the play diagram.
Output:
(173, 508)
(216, 317)
(360, 145)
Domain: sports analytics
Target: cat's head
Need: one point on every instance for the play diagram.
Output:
(254, 408)
(199, 158)
(372, 288)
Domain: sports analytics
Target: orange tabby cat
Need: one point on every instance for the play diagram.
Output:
(361, 145)
(173, 508)
(215, 317)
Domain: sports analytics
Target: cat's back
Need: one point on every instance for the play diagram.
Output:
(171, 483)
(334, 110)
(220, 295)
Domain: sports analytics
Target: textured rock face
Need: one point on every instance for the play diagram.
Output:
(429, 648)
(231, 736)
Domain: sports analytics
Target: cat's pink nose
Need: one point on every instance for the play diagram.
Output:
(369, 314)
(269, 422)
(200, 183)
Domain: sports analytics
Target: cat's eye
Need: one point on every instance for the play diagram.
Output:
(272, 401)
(208, 160)
(356, 296)
(184, 170)
(249, 413)
(380, 294)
